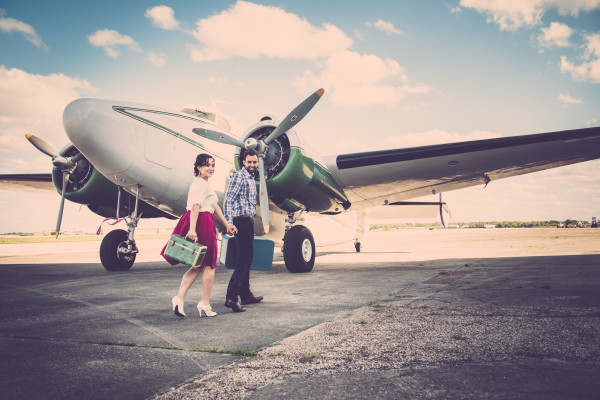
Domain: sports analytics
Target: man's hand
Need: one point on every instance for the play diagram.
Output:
(231, 230)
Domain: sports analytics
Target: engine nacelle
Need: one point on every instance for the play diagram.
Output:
(89, 187)
(296, 178)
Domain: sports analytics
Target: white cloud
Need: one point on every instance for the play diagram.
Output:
(567, 100)
(384, 26)
(511, 15)
(34, 104)
(162, 17)
(557, 35)
(12, 25)
(354, 80)
(588, 70)
(111, 40)
(156, 59)
(253, 31)
(351, 80)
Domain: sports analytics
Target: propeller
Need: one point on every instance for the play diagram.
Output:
(263, 196)
(41, 145)
(261, 147)
(295, 116)
(218, 137)
(65, 164)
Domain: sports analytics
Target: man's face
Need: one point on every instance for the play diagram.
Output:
(251, 163)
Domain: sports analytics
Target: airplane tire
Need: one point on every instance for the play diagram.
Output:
(111, 258)
(299, 250)
(357, 247)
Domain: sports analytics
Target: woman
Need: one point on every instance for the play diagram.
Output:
(198, 224)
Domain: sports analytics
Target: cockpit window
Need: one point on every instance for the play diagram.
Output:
(217, 119)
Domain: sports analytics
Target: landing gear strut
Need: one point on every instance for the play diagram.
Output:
(298, 246)
(118, 249)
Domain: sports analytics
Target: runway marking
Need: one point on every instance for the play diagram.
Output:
(155, 331)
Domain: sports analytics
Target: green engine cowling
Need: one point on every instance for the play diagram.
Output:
(295, 180)
(89, 187)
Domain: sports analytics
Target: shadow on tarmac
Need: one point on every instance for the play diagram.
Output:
(78, 331)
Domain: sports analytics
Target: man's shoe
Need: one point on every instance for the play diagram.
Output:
(252, 300)
(234, 305)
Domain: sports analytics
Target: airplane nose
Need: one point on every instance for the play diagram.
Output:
(100, 135)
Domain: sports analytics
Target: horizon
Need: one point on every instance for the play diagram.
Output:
(396, 75)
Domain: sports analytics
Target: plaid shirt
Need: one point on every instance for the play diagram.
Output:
(240, 197)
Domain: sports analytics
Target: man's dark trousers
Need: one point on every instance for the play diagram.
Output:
(239, 284)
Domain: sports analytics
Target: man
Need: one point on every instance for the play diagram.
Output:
(239, 208)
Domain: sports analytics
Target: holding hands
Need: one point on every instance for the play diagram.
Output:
(231, 230)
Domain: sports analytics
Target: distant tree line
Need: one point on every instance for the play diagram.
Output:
(482, 224)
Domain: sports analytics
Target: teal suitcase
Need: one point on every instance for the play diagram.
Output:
(262, 254)
(184, 251)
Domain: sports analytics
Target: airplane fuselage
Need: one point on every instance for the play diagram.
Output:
(147, 147)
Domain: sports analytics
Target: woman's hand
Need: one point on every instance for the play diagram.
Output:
(192, 236)
(231, 230)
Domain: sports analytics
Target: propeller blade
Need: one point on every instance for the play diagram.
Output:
(295, 116)
(41, 145)
(218, 137)
(62, 202)
(263, 196)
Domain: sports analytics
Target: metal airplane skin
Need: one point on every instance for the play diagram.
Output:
(129, 159)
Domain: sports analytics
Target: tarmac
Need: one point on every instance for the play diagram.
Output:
(71, 329)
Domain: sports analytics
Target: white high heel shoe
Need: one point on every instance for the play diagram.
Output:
(206, 308)
(178, 306)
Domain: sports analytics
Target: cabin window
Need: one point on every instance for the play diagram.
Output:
(217, 119)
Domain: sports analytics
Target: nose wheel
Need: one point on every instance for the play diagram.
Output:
(118, 249)
(117, 253)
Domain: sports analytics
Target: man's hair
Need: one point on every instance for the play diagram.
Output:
(250, 153)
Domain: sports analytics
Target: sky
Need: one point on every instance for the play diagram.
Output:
(396, 74)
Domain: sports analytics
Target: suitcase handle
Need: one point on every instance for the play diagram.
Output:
(173, 243)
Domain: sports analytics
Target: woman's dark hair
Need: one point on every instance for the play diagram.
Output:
(202, 160)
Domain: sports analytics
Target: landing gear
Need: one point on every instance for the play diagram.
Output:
(298, 246)
(357, 246)
(299, 249)
(116, 252)
(118, 249)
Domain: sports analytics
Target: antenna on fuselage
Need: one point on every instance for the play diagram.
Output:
(212, 102)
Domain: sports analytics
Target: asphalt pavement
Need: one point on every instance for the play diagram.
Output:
(71, 330)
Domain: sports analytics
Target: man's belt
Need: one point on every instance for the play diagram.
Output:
(243, 216)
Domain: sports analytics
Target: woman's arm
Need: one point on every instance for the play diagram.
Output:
(219, 214)
(193, 220)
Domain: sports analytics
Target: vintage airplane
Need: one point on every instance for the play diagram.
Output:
(135, 160)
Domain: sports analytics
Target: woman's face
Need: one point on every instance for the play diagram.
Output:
(207, 170)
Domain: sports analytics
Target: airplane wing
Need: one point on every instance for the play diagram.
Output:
(383, 177)
(27, 182)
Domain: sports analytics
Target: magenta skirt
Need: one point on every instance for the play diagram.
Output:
(205, 231)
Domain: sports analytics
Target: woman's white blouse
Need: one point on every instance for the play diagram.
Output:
(201, 193)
